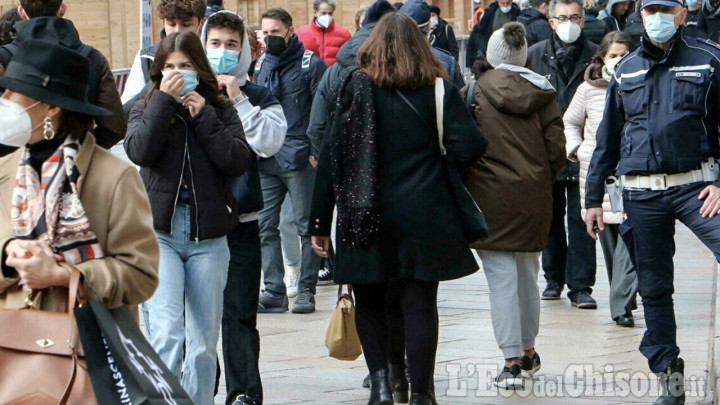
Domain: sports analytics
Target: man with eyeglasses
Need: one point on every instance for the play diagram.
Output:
(659, 135)
(570, 258)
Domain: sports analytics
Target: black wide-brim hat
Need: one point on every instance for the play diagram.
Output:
(53, 74)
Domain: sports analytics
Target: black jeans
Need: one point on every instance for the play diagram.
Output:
(649, 233)
(569, 258)
(418, 301)
(240, 337)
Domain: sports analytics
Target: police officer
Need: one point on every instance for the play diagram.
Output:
(660, 135)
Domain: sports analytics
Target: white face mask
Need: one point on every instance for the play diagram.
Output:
(433, 22)
(505, 9)
(15, 124)
(324, 20)
(611, 63)
(568, 32)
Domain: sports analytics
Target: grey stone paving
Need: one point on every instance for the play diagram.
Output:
(586, 358)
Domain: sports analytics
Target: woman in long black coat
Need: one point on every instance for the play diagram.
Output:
(398, 231)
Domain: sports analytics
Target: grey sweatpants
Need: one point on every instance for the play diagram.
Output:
(514, 298)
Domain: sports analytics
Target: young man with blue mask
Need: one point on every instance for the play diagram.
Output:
(228, 50)
(659, 136)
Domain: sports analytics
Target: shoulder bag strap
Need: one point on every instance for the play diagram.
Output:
(439, 99)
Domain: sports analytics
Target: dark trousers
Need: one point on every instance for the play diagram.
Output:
(418, 302)
(240, 337)
(569, 258)
(649, 233)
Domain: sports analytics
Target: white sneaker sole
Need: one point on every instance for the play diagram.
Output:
(511, 383)
(292, 292)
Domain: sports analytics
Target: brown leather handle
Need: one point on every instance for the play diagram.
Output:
(348, 295)
(73, 286)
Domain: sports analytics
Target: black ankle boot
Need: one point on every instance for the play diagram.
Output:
(380, 392)
(399, 383)
(420, 399)
(672, 383)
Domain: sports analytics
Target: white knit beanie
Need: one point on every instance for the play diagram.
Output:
(508, 45)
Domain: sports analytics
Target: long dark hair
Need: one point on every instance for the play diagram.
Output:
(189, 44)
(397, 55)
(613, 37)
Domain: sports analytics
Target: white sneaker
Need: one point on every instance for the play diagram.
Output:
(292, 275)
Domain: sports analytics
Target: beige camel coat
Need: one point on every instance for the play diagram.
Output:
(117, 205)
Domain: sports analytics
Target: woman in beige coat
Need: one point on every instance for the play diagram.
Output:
(63, 198)
(581, 120)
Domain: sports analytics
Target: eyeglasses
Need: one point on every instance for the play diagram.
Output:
(574, 18)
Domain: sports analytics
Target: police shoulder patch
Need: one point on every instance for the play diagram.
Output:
(712, 43)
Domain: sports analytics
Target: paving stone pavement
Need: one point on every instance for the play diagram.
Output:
(586, 358)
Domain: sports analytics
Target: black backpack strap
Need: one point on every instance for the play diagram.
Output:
(470, 97)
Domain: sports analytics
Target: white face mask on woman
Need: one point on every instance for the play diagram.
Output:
(611, 63)
(15, 124)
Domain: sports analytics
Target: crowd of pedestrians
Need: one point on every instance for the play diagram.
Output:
(272, 153)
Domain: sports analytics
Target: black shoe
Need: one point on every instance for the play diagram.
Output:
(325, 276)
(398, 383)
(583, 300)
(530, 366)
(626, 320)
(420, 399)
(380, 392)
(366, 381)
(245, 400)
(672, 383)
(552, 292)
(510, 378)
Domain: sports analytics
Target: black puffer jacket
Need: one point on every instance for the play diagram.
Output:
(205, 151)
(594, 29)
(537, 27)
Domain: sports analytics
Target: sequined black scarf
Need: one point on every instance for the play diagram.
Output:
(354, 157)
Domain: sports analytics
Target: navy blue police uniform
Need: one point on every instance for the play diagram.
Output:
(659, 131)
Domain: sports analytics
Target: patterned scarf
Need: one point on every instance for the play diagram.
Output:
(354, 157)
(51, 210)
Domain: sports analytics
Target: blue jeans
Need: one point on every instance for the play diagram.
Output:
(649, 233)
(298, 184)
(187, 305)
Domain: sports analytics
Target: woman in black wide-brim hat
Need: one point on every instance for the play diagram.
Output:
(63, 199)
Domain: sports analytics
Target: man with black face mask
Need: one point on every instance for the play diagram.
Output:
(563, 58)
(292, 74)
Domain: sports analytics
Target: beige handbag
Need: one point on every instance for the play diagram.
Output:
(342, 338)
(41, 360)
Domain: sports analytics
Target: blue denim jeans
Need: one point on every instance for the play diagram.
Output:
(187, 305)
(298, 184)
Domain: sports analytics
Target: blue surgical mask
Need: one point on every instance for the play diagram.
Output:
(691, 3)
(190, 78)
(660, 27)
(223, 61)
